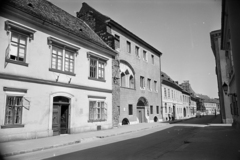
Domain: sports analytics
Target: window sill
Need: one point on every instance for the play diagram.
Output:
(17, 62)
(101, 80)
(128, 88)
(12, 126)
(97, 120)
(142, 89)
(63, 72)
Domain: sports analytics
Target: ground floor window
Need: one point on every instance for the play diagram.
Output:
(130, 109)
(13, 114)
(97, 111)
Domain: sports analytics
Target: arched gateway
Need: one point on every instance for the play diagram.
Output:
(141, 109)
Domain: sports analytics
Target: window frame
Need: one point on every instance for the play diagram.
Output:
(117, 42)
(145, 55)
(149, 84)
(130, 109)
(128, 47)
(157, 109)
(137, 49)
(14, 92)
(96, 111)
(155, 86)
(151, 109)
(152, 56)
(65, 47)
(99, 59)
(20, 30)
(142, 82)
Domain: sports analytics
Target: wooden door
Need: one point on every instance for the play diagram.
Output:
(56, 119)
(64, 119)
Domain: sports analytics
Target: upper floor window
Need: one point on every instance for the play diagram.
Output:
(168, 93)
(128, 47)
(152, 59)
(165, 93)
(117, 42)
(109, 29)
(142, 82)
(137, 51)
(131, 82)
(16, 51)
(63, 54)
(155, 86)
(149, 84)
(97, 67)
(144, 55)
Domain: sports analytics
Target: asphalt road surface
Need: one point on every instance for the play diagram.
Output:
(157, 143)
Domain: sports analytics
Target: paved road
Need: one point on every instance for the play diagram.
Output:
(203, 120)
(176, 142)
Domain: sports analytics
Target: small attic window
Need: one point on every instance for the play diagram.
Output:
(30, 5)
(80, 30)
(162, 75)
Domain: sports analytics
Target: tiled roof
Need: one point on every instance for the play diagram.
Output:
(126, 31)
(168, 81)
(48, 12)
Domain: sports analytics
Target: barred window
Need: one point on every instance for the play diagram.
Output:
(13, 110)
(97, 111)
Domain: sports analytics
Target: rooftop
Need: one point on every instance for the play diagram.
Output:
(48, 12)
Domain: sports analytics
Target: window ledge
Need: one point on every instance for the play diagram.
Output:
(101, 80)
(96, 120)
(17, 62)
(128, 88)
(63, 72)
(12, 126)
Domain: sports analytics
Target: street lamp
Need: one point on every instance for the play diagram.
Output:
(225, 89)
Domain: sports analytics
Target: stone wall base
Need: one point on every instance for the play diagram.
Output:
(227, 121)
(26, 135)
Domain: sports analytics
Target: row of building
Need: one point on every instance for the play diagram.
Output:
(62, 74)
(226, 49)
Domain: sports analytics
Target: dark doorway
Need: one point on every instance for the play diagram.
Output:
(184, 112)
(60, 115)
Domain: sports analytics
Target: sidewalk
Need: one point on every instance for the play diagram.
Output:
(33, 145)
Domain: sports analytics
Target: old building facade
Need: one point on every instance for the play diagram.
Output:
(230, 43)
(223, 72)
(55, 73)
(139, 73)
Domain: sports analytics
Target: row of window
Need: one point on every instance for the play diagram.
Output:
(130, 109)
(172, 94)
(62, 54)
(149, 84)
(14, 109)
(129, 49)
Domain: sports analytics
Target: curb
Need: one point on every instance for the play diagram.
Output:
(40, 149)
(74, 142)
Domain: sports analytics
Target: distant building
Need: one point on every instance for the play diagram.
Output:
(140, 66)
(230, 39)
(172, 99)
(222, 75)
(211, 106)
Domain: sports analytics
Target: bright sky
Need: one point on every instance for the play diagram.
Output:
(180, 29)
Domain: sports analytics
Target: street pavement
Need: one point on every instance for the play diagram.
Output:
(188, 139)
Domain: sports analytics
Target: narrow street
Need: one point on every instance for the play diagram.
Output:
(180, 141)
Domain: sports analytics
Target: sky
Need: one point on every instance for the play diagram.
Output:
(180, 29)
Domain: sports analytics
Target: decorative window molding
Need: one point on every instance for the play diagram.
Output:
(12, 26)
(14, 89)
(16, 51)
(95, 56)
(96, 67)
(96, 97)
(62, 56)
(15, 101)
